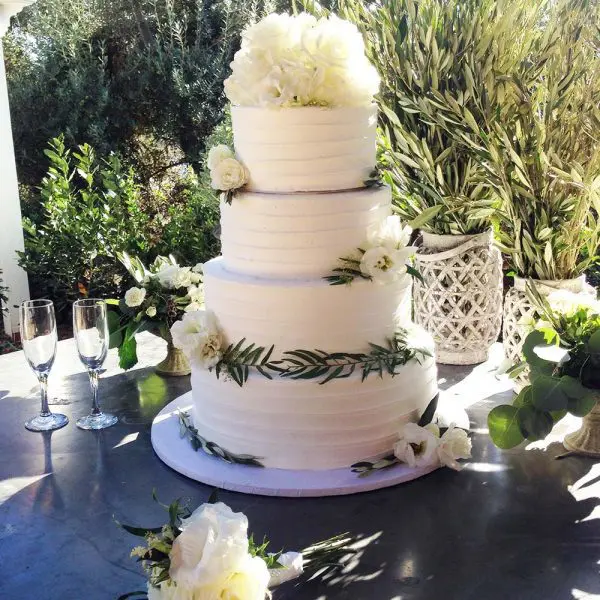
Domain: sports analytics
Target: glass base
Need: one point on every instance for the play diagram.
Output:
(47, 423)
(100, 421)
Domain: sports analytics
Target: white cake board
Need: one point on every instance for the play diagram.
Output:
(178, 454)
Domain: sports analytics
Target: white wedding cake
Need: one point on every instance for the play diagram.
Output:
(295, 207)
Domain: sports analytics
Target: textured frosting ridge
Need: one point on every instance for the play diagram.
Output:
(306, 148)
(307, 313)
(302, 425)
(301, 235)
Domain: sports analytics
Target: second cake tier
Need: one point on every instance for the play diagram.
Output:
(305, 314)
(289, 236)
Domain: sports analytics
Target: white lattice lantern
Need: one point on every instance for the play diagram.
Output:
(11, 239)
(460, 301)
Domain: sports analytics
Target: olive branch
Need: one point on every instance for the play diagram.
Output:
(187, 430)
(239, 361)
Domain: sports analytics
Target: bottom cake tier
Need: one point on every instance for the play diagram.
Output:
(299, 424)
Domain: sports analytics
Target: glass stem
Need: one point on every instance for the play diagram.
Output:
(94, 383)
(43, 379)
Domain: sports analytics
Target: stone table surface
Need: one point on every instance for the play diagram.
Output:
(512, 525)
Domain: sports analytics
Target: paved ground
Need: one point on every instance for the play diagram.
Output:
(513, 525)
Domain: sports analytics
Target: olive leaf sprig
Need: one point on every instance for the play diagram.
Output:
(187, 430)
(317, 364)
(238, 359)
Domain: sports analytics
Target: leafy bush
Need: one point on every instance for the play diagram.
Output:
(142, 79)
(90, 211)
(3, 296)
(431, 57)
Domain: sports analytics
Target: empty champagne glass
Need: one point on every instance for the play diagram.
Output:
(90, 328)
(38, 337)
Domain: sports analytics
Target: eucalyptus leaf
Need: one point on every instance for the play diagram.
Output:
(534, 424)
(548, 394)
(580, 407)
(503, 425)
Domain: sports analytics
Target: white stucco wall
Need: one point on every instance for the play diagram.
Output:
(11, 231)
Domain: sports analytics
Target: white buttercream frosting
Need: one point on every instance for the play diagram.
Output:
(305, 148)
(292, 236)
(303, 425)
(307, 313)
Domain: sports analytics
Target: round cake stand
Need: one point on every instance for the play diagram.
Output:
(177, 453)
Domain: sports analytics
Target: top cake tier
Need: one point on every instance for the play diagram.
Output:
(305, 148)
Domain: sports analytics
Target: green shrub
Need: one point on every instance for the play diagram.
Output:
(90, 210)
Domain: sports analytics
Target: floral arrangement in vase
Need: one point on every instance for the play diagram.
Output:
(208, 554)
(562, 353)
(164, 293)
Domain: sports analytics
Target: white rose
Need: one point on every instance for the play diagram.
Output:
(196, 293)
(174, 277)
(383, 265)
(229, 174)
(391, 233)
(169, 591)
(193, 306)
(271, 34)
(453, 445)
(333, 42)
(212, 546)
(293, 567)
(217, 154)
(416, 446)
(249, 582)
(199, 336)
(198, 268)
(151, 311)
(134, 296)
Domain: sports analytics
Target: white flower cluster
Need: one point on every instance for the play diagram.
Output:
(300, 61)
(387, 252)
(226, 172)
(423, 446)
(210, 559)
(199, 336)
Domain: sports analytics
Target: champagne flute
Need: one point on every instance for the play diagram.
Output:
(38, 337)
(90, 328)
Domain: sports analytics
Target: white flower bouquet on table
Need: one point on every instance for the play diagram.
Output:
(162, 295)
(301, 61)
(207, 554)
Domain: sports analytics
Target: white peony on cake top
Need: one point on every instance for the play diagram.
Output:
(287, 61)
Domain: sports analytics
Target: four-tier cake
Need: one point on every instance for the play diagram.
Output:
(306, 357)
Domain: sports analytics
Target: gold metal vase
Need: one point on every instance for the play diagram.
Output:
(586, 440)
(175, 364)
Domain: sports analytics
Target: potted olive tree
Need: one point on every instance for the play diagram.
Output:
(441, 62)
(543, 161)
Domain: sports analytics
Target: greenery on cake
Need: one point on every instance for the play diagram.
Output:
(300, 60)
(383, 258)
(188, 431)
(200, 337)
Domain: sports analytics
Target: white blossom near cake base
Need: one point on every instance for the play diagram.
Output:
(196, 294)
(134, 296)
(453, 445)
(199, 336)
(417, 446)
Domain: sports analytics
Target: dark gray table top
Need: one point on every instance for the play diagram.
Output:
(518, 524)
